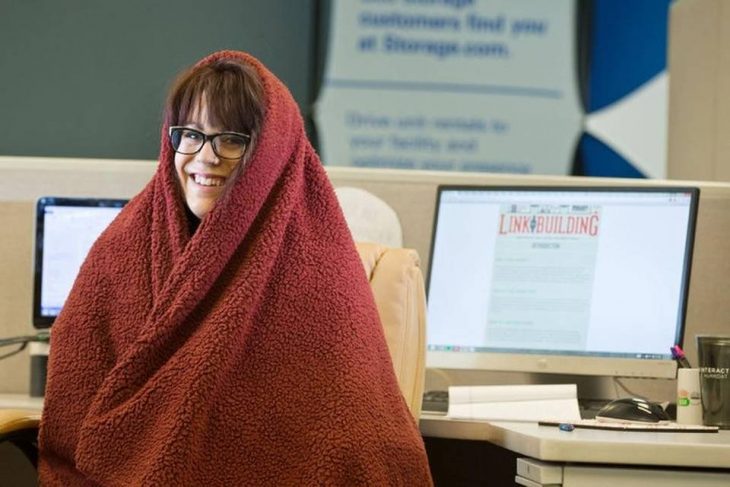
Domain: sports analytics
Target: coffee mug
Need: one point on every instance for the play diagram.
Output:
(714, 357)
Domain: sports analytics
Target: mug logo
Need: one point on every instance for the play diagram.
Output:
(714, 372)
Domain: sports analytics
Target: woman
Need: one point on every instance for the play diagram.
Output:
(221, 330)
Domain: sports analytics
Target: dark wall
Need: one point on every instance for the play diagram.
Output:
(88, 78)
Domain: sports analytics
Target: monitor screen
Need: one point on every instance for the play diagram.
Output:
(65, 230)
(588, 280)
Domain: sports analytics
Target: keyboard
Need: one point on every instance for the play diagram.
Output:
(435, 401)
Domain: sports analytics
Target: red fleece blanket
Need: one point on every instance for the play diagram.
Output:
(250, 353)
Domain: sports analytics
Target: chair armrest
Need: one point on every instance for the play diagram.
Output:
(20, 427)
(13, 421)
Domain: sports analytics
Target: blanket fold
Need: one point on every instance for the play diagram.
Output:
(248, 353)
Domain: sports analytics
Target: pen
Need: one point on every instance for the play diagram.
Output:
(679, 356)
(652, 427)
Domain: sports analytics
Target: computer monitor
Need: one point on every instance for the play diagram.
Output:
(65, 229)
(573, 280)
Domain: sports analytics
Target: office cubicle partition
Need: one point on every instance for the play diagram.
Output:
(412, 194)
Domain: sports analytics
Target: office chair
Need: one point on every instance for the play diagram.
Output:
(397, 285)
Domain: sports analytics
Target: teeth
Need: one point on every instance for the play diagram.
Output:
(202, 180)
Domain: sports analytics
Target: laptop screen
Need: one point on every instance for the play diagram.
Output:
(65, 230)
(569, 271)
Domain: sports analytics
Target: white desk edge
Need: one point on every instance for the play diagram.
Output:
(548, 443)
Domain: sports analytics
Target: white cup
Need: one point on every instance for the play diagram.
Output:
(689, 399)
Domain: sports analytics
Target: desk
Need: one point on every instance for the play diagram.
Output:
(21, 401)
(581, 457)
(590, 457)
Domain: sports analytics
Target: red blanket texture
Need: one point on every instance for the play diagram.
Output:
(250, 353)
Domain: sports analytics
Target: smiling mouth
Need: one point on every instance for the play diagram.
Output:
(208, 180)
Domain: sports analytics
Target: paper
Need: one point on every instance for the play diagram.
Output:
(515, 403)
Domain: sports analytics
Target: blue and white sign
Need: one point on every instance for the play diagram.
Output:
(465, 85)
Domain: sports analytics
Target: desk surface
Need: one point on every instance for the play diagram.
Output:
(708, 450)
(586, 445)
(20, 401)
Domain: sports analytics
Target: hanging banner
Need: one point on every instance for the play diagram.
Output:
(462, 85)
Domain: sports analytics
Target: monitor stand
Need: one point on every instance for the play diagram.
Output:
(38, 364)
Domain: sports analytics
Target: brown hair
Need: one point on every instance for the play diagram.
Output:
(233, 93)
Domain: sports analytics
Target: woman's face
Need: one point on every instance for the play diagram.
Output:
(204, 176)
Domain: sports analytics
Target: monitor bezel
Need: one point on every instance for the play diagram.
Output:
(594, 365)
(41, 321)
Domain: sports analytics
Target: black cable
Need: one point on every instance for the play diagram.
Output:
(23, 341)
(22, 347)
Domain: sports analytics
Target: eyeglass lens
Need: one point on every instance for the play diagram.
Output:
(226, 145)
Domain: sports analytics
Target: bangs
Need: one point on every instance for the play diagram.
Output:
(232, 92)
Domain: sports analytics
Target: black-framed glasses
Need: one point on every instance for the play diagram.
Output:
(226, 145)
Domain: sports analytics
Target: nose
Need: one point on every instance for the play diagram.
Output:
(206, 154)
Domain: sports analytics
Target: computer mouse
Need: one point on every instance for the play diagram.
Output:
(633, 409)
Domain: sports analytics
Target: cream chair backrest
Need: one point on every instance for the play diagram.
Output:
(397, 284)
